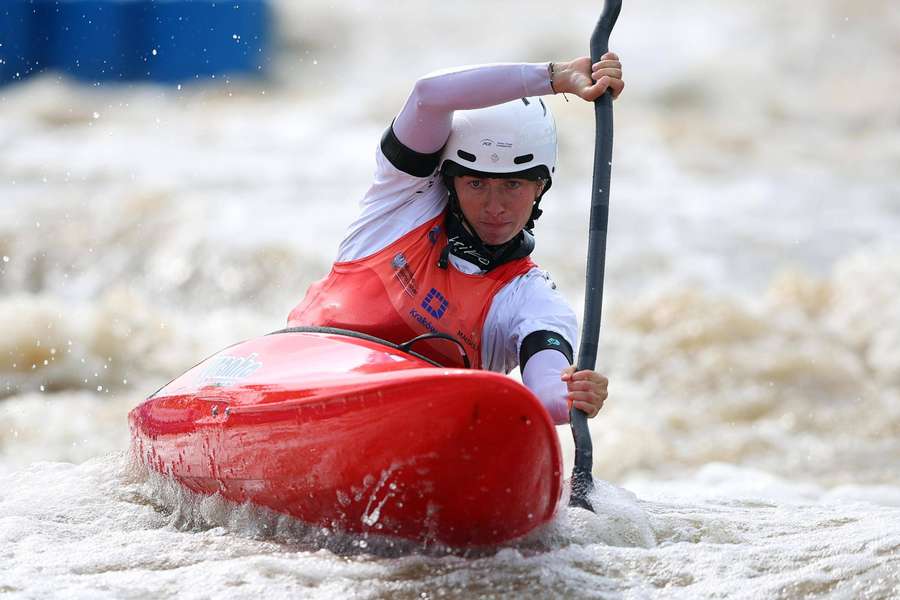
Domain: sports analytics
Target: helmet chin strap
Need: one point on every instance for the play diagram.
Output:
(464, 243)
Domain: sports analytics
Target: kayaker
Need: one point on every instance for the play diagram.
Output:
(443, 241)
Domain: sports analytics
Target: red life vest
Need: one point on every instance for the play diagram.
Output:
(400, 292)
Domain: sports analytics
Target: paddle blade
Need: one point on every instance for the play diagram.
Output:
(582, 482)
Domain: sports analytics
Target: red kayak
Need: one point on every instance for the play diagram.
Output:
(348, 432)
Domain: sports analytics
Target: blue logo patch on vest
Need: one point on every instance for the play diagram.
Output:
(433, 234)
(435, 303)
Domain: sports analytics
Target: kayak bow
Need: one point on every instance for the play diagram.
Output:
(344, 431)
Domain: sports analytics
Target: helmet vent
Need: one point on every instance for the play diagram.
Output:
(521, 160)
(466, 156)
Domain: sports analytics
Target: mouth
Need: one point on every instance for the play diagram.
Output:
(494, 233)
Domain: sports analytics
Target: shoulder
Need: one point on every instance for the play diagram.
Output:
(536, 286)
(401, 174)
(535, 293)
(528, 303)
(397, 202)
(405, 159)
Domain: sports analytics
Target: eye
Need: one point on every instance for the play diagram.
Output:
(513, 184)
(475, 183)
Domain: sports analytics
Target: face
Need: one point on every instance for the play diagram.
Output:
(497, 209)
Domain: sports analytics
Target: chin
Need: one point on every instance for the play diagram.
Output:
(494, 238)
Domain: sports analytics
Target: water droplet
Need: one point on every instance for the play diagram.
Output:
(153, 52)
(96, 115)
(5, 259)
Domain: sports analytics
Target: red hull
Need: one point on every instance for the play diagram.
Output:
(352, 435)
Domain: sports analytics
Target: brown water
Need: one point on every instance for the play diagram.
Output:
(751, 325)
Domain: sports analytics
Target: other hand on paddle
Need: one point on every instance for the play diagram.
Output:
(587, 390)
(579, 76)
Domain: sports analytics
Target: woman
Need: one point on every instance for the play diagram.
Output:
(444, 238)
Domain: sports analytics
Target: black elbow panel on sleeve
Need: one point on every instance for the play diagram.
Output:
(543, 340)
(406, 159)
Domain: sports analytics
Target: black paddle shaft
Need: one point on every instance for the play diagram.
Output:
(582, 481)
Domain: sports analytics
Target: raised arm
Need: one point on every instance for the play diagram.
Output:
(424, 122)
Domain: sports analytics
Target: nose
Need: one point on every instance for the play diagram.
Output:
(493, 204)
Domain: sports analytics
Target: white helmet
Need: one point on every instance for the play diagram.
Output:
(516, 138)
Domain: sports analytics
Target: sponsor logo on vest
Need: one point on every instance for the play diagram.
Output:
(435, 303)
(227, 370)
(554, 342)
(404, 274)
(466, 339)
(422, 320)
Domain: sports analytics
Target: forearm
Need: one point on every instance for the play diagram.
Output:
(541, 375)
(424, 122)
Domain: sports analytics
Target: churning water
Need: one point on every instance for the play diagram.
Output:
(751, 320)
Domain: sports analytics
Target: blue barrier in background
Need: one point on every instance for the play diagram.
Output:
(90, 40)
(127, 40)
(16, 32)
(203, 39)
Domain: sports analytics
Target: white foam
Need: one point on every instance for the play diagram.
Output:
(750, 322)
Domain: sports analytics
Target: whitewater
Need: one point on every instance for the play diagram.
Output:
(750, 447)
